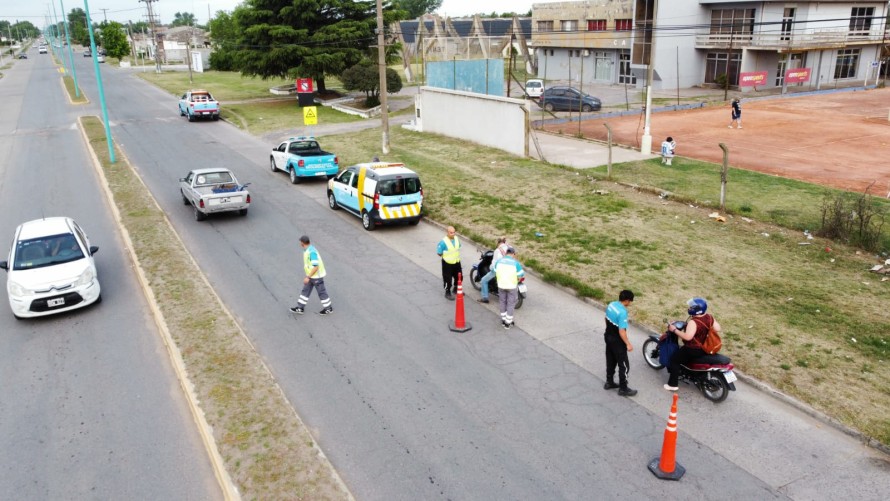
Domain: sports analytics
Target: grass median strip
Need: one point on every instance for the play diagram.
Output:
(266, 448)
(807, 321)
(72, 95)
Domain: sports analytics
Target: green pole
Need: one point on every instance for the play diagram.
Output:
(56, 19)
(86, 8)
(70, 56)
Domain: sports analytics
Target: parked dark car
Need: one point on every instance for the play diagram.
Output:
(563, 98)
(23, 56)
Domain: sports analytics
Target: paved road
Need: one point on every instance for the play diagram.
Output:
(89, 405)
(404, 408)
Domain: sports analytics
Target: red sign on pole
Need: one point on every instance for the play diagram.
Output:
(753, 78)
(304, 86)
(797, 75)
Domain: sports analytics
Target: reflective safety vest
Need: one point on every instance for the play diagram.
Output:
(506, 273)
(307, 263)
(452, 250)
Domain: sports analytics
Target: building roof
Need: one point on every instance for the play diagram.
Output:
(494, 27)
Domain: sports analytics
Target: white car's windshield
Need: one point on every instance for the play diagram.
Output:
(47, 251)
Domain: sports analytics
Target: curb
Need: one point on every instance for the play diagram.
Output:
(755, 383)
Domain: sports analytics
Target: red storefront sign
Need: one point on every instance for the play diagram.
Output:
(797, 75)
(753, 78)
(304, 85)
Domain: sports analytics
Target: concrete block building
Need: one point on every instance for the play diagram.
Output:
(765, 43)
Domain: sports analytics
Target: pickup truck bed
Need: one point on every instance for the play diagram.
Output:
(210, 191)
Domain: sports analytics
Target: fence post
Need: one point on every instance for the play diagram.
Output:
(723, 176)
(609, 165)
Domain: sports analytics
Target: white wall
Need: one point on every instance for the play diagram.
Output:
(498, 122)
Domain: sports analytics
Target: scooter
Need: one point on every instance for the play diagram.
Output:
(712, 374)
(481, 268)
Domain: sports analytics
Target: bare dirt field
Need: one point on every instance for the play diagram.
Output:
(838, 139)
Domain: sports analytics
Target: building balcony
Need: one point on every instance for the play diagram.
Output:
(798, 40)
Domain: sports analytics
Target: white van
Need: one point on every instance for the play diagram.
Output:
(534, 88)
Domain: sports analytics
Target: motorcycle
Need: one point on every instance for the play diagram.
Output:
(481, 268)
(712, 374)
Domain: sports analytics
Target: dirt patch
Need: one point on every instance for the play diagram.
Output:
(787, 137)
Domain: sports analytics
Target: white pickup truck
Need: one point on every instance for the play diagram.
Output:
(210, 191)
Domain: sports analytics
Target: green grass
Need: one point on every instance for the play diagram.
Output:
(69, 86)
(779, 302)
(224, 85)
(262, 117)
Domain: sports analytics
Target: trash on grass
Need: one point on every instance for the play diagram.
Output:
(717, 217)
(747, 220)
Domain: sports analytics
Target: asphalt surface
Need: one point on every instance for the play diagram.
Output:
(406, 409)
(89, 405)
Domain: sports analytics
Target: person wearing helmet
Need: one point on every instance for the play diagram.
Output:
(698, 326)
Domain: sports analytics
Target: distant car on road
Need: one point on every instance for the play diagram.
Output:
(562, 98)
(198, 103)
(50, 268)
(87, 53)
(23, 56)
(41, 49)
(100, 58)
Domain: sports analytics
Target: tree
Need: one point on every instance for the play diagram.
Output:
(77, 27)
(417, 8)
(138, 27)
(289, 38)
(365, 77)
(183, 19)
(114, 40)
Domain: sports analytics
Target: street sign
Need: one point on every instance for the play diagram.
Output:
(310, 115)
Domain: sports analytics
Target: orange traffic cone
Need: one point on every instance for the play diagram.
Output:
(666, 467)
(459, 324)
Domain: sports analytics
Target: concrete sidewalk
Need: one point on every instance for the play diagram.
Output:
(579, 153)
(797, 454)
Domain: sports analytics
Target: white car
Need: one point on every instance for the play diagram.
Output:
(534, 88)
(50, 268)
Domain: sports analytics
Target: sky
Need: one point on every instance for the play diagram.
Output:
(133, 10)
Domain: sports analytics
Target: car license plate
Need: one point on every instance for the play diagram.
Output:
(224, 200)
(523, 288)
(59, 301)
(320, 173)
(730, 377)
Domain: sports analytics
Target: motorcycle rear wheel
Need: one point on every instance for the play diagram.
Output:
(519, 299)
(475, 279)
(650, 354)
(714, 387)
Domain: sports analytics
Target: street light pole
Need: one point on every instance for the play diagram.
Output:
(70, 56)
(646, 141)
(381, 63)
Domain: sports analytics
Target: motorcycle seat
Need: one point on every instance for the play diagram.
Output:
(710, 361)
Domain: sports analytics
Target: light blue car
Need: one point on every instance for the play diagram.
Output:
(301, 157)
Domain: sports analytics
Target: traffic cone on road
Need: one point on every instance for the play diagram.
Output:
(666, 467)
(459, 324)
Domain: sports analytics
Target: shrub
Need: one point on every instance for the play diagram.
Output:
(853, 219)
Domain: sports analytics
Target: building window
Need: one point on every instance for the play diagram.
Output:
(732, 21)
(723, 63)
(569, 25)
(596, 25)
(625, 75)
(860, 20)
(847, 63)
(624, 24)
(545, 26)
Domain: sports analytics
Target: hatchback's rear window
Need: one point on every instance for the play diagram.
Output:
(399, 186)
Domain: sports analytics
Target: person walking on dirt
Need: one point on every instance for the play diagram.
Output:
(736, 112)
(449, 250)
(315, 273)
(617, 344)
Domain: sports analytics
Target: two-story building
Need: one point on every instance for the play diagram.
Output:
(749, 43)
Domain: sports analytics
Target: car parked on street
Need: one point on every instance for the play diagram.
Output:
(534, 88)
(23, 56)
(87, 53)
(50, 268)
(379, 193)
(100, 58)
(302, 157)
(563, 98)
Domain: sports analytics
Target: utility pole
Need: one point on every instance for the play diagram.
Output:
(105, 14)
(646, 141)
(70, 56)
(154, 34)
(381, 62)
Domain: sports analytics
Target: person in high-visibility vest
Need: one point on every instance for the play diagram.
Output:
(315, 273)
(508, 271)
(449, 250)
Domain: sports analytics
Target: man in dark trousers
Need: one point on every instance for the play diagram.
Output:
(315, 273)
(449, 250)
(617, 344)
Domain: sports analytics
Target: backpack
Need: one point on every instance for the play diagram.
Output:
(712, 343)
